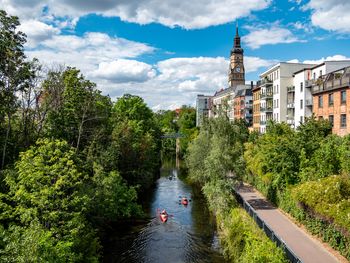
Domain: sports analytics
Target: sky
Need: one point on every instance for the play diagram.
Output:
(168, 51)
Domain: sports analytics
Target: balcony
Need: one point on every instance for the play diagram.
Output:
(262, 122)
(309, 83)
(263, 82)
(330, 85)
(266, 95)
(266, 109)
(308, 103)
(291, 89)
(290, 105)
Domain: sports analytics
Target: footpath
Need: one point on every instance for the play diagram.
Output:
(275, 223)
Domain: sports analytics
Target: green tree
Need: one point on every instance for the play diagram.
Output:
(48, 188)
(135, 141)
(15, 76)
(78, 110)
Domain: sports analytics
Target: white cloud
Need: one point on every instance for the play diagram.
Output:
(330, 14)
(330, 58)
(179, 80)
(37, 32)
(259, 36)
(88, 51)
(124, 70)
(187, 14)
(252, 64)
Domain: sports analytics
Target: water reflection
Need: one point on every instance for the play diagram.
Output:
(187, 236)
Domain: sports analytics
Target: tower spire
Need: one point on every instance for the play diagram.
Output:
(237, 41)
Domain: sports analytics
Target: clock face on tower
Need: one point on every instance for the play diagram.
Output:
(238, 69)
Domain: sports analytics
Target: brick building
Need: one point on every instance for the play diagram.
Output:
(331, 100)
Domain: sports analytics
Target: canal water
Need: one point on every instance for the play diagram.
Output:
(189, 235)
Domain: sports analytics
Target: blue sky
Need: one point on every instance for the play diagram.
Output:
(167, 51)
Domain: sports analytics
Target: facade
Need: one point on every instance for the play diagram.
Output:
(301, 89)
(256, 108)
(331, 99)
(243, 105)
(202, 108)
(274, 85)
(222, 103)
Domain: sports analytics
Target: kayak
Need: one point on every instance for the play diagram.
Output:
(184, 201)
(163, 217)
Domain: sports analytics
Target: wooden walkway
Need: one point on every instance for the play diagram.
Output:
(304, 246)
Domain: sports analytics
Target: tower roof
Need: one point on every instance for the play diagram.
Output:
(237, 43)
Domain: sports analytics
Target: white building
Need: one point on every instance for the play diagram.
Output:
(202, 108)
(274, 83)
(300, 92)
(222, 103)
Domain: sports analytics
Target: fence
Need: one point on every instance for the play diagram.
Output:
(290, 255)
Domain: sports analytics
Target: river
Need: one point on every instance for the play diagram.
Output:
(189, 235)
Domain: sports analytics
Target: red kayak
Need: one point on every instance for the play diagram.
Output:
(184, 201)
(163, 216)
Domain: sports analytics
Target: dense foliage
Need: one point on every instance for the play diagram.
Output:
(305, 172)
(215, 161)
(71, 161)
(181, 121)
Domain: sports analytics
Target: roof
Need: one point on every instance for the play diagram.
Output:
(244, 92)
(223, 92)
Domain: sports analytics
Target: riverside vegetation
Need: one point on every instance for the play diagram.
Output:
(217, 150)
(307, 174)
(72, 162)
(304, 172)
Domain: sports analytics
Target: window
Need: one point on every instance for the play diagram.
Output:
(331, 119)
(277, 89)
(301, 87)
(314, 75)
(330, 99)
(277, 74)
(320, 101)
(320, 73)
(277, 104)
(320, 118)
(301, 104)
(342, 120)
(343, 96)
(301, 119)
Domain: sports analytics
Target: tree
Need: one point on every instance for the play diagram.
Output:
(135, 141)
(15, 74)
(48, 188)
(78, 111)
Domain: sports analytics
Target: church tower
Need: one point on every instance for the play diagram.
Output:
(236, 70)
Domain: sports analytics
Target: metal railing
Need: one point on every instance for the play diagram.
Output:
(264, 109)
(290, 255)
(263, 82)
(266, 94)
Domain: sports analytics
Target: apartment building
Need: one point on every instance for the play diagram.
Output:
(331, 99)
(256, 108)
(243, 105)
(300, 93)
(273, 84)
(202, 108)
(222, 103)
